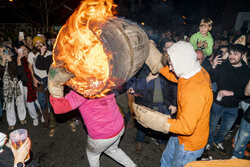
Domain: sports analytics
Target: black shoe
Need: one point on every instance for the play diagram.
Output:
(220, 147)
(206, 156)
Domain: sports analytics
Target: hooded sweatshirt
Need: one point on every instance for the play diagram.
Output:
(194, 97)
(197, 37)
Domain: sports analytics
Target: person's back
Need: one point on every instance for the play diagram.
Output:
(203, 39)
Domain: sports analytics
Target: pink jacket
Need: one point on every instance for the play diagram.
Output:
(101, 116)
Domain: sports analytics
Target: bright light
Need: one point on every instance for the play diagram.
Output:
(142, 23)
(183, 17)
(164, 0)
(11, 0)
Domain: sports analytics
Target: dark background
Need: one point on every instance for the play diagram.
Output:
(160, 14)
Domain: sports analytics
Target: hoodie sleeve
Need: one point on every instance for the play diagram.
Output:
(68, 103)
(209, 50)
(193, 41)
(167, 74)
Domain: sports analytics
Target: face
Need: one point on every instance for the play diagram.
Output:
(38, 44)
(200, 56)
(29, 40)
(235, 57)
(24, 50)
(53, 40)
(223, 43)
(224, 51)
(168, 34)
(167, 45)
(204, 29)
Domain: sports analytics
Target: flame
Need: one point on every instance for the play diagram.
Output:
(80, 49)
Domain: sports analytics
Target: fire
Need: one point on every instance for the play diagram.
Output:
(79, 47)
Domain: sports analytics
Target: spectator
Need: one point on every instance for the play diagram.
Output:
(43, 63)
(39, 76)
(152, 91)
(11, 157)
(28, 89)
(123, 103)
(11, 88)
(203, 39)
(231, 78)
(200, 56)
(29, 42)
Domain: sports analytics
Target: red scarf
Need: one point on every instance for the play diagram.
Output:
(31, 96)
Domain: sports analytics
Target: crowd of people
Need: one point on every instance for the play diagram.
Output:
(175, 81)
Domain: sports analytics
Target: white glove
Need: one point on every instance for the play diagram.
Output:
(56, 78)
(151, 119)
(154, 59)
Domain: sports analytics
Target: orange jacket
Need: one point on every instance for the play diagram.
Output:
(194, 99)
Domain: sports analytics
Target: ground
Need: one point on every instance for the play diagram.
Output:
(67, 149)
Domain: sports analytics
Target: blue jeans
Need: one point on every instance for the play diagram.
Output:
(140, 136)
(228, 117)
(243, 139)
(41, 96)
(174, 154)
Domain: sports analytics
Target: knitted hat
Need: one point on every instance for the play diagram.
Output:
(37, 38)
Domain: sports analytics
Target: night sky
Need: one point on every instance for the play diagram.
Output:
(154, 13)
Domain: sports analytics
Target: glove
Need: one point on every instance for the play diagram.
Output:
(56, 78)
(154, 59)
(151, 119)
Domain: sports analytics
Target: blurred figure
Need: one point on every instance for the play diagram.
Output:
(27, 87)
(231, 78)
(200, 56)
(40, 77)
(29, 42)
(11, 88)
(203, 39)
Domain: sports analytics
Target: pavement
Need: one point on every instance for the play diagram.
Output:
(67, 149)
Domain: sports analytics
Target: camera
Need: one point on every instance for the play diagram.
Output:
(6, 52)
(220, 53)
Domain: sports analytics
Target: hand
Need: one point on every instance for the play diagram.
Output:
(131, 90)
(200, 44)
(205, 44)
(217, 61)
(21, 153)
(223, 93)
(173, 109)
(20, 53)
(43, 50)
(7, 57)
(153, 60)
(35, 82)
(151, 77)
(151, 119)
(56, 78)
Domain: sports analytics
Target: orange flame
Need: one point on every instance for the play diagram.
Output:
(81, 49)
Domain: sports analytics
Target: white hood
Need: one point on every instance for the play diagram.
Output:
(184, 59)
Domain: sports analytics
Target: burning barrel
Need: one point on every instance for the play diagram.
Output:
(119, 50)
